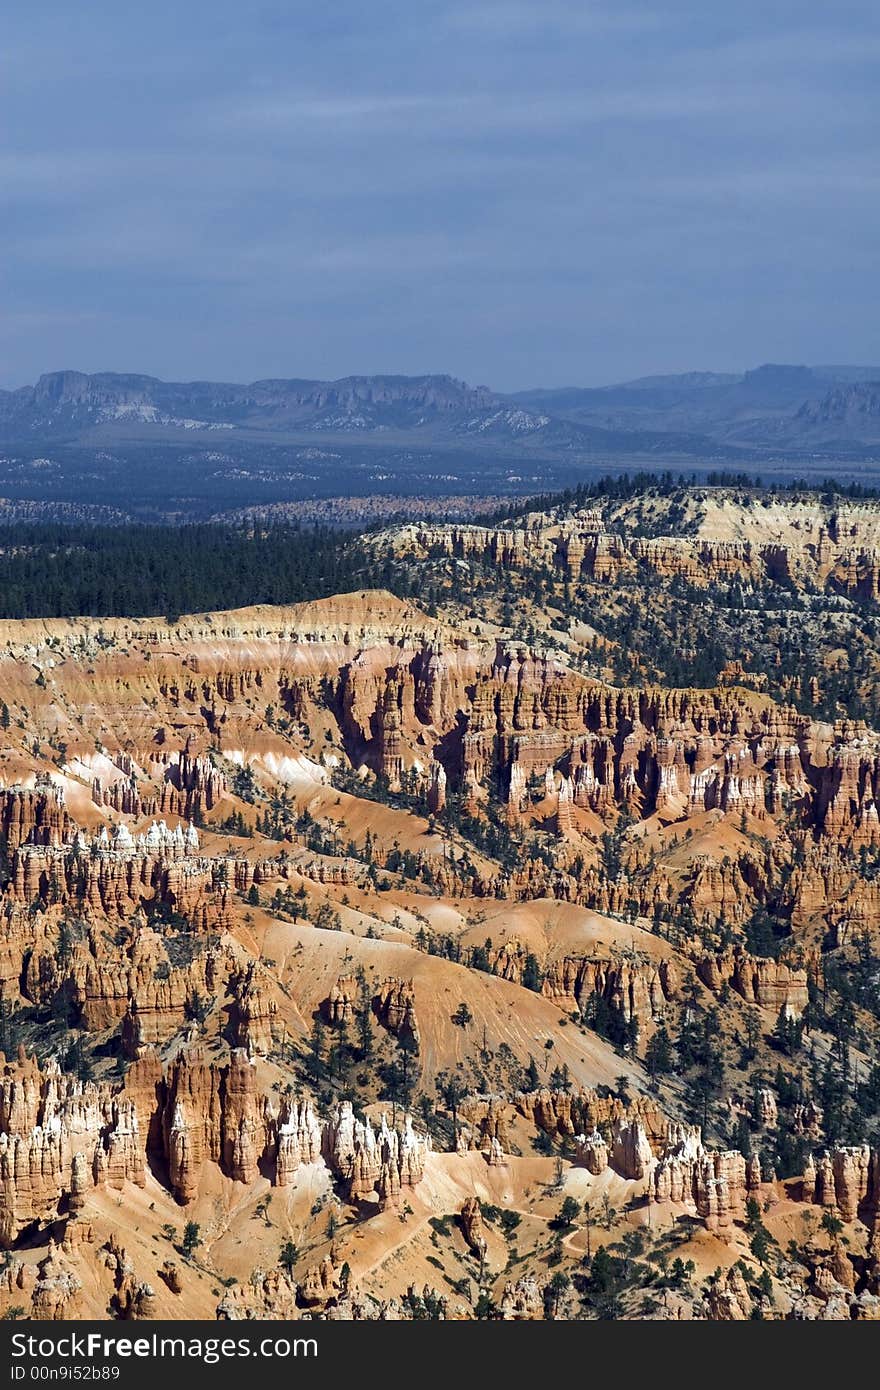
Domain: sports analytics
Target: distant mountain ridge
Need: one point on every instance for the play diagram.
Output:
(77, 405)
(76, 393)
(774, 406)
(771, 406)
(853, 402)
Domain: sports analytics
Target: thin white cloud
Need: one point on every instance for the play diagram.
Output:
(28, 320)
(396, 255)
(507, 18)
(456, 114)
(778, 182)
(794, 49)
(333, 109)
(58, 172)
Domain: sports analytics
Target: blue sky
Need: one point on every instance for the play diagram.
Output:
(545, 193)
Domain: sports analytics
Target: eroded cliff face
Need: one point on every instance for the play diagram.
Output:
(453, 712)
(116, 874)
(769, 983)
(254, 915)
(61, 1138)
(136, 983)
(638, 990)
(432, 714)
(628, 1125)
(836, 548)
(846, 1178)
(63, 1142)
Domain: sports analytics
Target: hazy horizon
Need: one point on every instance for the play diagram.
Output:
(520, 195)
(442, 372)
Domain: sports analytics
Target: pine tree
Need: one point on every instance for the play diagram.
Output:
(315, 1062)
(761, 1244)
(753, 1034)
(658, 1054)
(451, 1089)
(364, 1018)
(788, 1033)
(532, 976)
(339, 1055)
(191, 1238)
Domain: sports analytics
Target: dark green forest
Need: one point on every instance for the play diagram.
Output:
(53, 571)
(61, 569)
